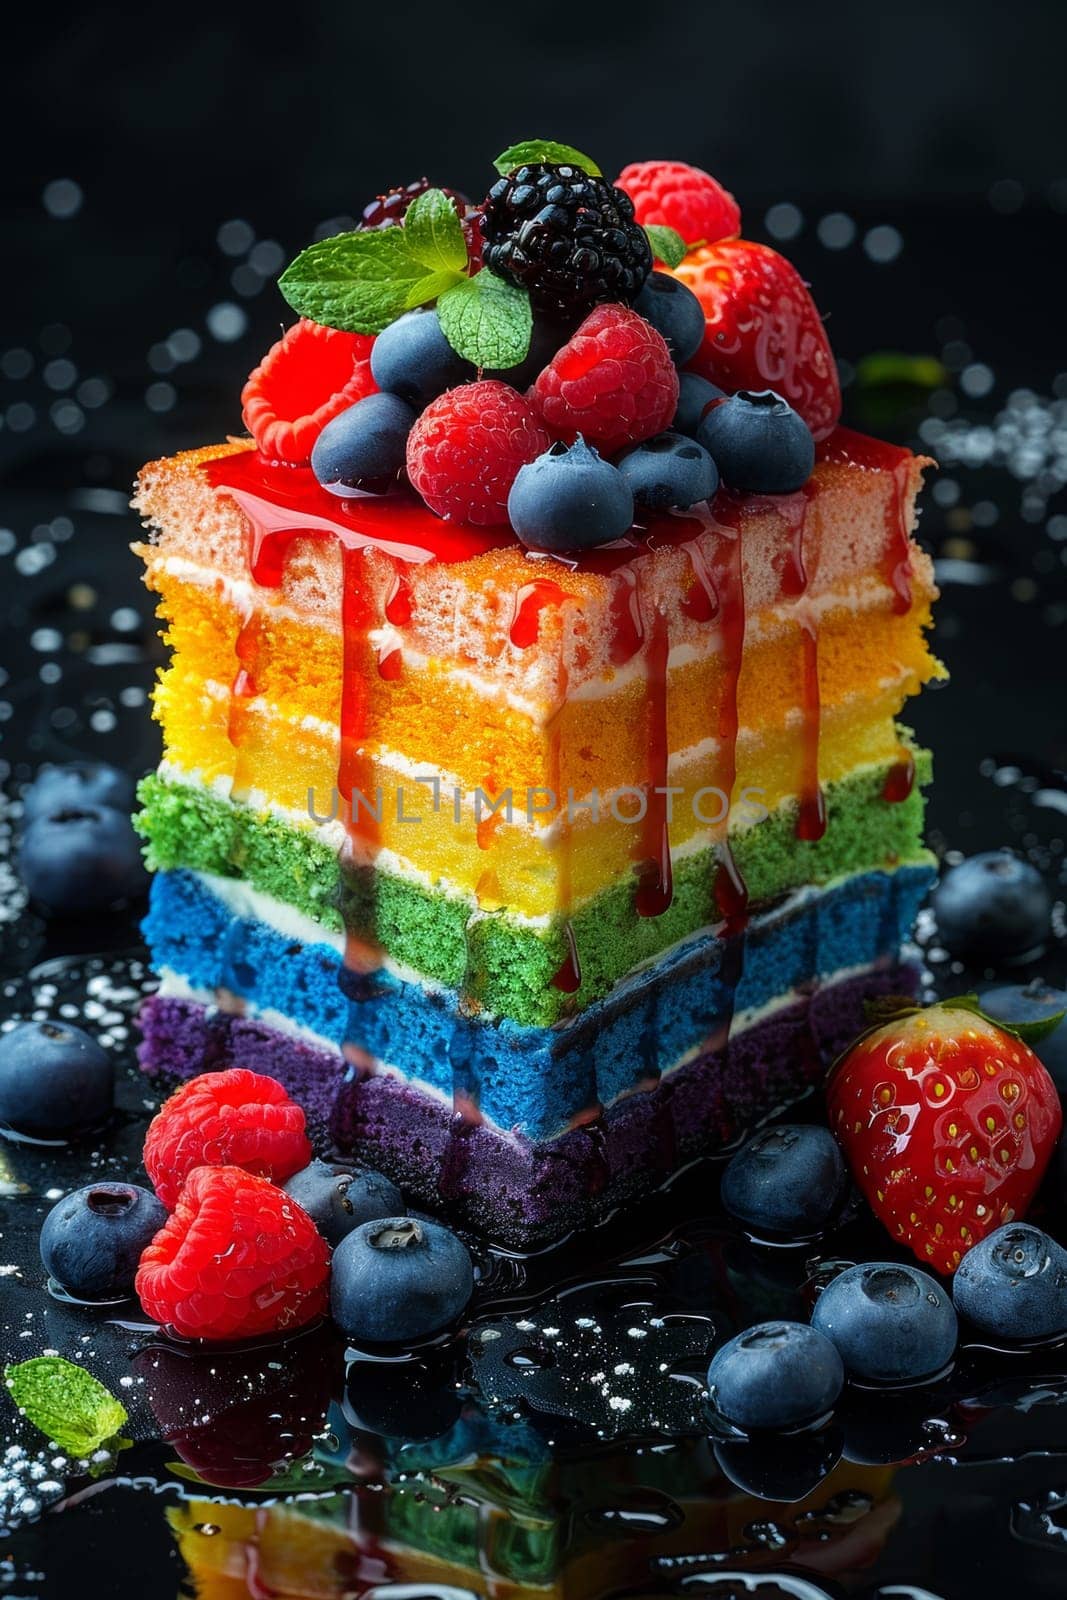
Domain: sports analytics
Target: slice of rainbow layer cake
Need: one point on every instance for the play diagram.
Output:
(533, 869)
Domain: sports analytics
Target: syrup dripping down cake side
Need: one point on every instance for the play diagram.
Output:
(532, 872)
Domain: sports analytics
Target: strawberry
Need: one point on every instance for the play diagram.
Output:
(948, 1122)
(763, 330)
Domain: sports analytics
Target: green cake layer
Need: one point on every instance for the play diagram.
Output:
(500, 963)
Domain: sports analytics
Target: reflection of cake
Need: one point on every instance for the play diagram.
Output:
(544, 1004)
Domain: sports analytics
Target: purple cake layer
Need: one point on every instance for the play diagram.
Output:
(517, 1191)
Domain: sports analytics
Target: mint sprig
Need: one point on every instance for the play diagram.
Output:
(360, 282)
(69, 1405)
(487, 321)
(531, 152)
(667, 244)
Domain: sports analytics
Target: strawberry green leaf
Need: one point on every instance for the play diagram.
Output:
(433, 234)
(667, 244)
(358, 282)
(487, 321)
(533, 151)
(67, 1403)
(1027, 1032)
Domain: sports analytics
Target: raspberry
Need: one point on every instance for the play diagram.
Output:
(465, 451)
(569, 238)
(302, 383)
(238, 1258)
(235, 1118)
(613, 382)
(681, 197)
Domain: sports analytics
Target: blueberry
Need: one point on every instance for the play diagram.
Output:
(81, 858)
(992, 906)
(789, 1180)
(891, 1323)
(759, 443)
(413, 359)
(548, 336)
(54, 1080)
(399, 1279)
(1013, 1285)
(77, 783)
(364, 446)
(775, 1375)
(338, 1197)
(1036, 1001)
(695, 395)
(92, 1240)
(673, 310)
(569, 499)
(669, 471)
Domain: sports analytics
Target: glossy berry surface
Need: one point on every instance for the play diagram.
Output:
(891, 1323)
(92, 1240)
(467, 448)
(669, 471)
(673, 310)
(570, 499)
(992, 906)
(79, 859)
(762, 329)
(339, 1197)
(613, 382)
(54, 1080)
(413, 359)
(675, 195)
(789, 1181)
(568, 238)
(234, 1118)
(948, 1124)
(305, 380)
(775, 1375)
(760, 444)
(695, 395)
(77, 783)
(365, 446)
(1013, 1285)
(398, 1280)
(238, 1259)
(1023, 1004)
(388, 209)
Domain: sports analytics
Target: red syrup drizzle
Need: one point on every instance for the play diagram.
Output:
(531, 600)
(856, 449)
(655, 881)
(811, 810)
(900, 779)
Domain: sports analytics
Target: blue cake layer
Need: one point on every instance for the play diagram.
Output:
(536, 1080)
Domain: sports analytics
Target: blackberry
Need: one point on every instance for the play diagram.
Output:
(569, 238)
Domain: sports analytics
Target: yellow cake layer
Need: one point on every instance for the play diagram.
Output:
(518, 865)
(449, 721)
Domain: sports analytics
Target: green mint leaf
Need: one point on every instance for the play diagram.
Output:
(532, 151)
(487, 321)
(667, 244)
(358, 282)
(430, 287)
(433, 234)
(67, 1403)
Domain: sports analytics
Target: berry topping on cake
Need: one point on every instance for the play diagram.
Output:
(570, 499)
(234, 1118)
(675, 311)
(891, 1323)
(238, 1259)
(392, 206)
(948, 1123)
(92, 1240)
(763, 330)
(760, 444)
(669, 472)
(466, 448)
(365, 447)
(695, 396)
(672, 194)
(413, 359)
(398, 1280)
(614, 382)
(564, 235)
(305, 380)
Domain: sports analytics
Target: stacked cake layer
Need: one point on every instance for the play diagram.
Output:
(500, 860)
